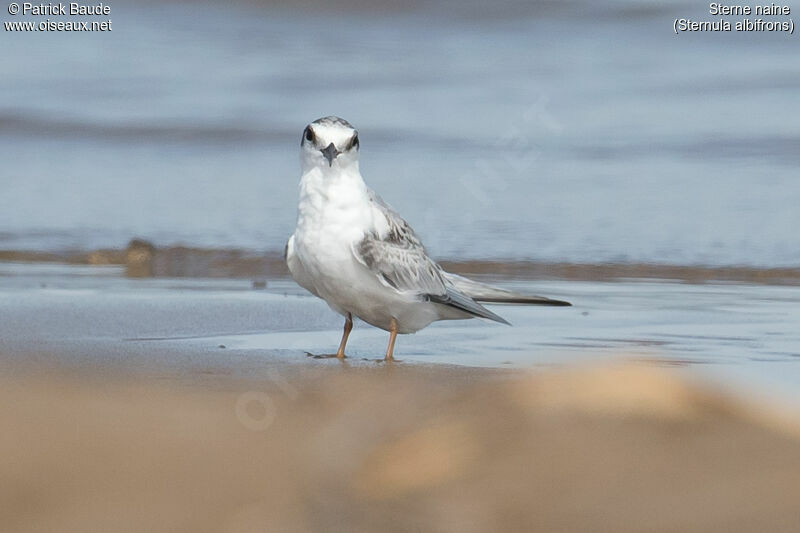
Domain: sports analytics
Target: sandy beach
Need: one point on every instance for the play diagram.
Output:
(620, 447)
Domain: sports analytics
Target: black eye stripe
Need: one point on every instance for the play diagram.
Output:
(308, 135)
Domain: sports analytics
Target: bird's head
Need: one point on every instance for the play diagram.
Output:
(327, 143)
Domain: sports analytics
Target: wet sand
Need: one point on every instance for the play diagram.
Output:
(375, 448)
(96, 320)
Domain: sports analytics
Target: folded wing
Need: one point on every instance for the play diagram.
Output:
(398, 259)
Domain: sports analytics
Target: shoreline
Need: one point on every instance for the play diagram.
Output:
(141, 259)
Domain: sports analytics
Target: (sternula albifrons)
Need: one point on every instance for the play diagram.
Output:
(358, 254)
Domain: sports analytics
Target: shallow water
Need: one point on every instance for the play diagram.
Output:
(553, 131)
(92, 318)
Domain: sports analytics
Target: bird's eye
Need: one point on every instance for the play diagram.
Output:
(354, 141)
(309, 134)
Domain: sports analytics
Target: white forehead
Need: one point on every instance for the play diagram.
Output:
(332, 130)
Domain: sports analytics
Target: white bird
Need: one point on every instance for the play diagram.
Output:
(355, 252)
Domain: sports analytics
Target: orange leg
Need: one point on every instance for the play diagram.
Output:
(392, 337)
(348, 326)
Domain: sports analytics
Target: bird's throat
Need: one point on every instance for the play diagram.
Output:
(332, 201)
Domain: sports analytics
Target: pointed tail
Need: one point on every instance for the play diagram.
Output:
(481, 292)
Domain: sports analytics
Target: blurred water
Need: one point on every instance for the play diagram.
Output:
(552, 131)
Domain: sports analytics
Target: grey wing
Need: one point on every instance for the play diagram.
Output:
(400, 261)
(401, 264)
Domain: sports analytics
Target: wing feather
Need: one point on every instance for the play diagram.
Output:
(399, 260)
(401, 265)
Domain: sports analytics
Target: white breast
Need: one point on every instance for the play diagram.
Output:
(334, 214)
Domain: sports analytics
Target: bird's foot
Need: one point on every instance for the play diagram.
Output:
(381, 360)
(326, 355)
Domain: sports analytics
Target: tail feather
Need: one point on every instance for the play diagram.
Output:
(462, 302)
(481, 292)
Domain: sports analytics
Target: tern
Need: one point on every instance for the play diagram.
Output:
(354, 251)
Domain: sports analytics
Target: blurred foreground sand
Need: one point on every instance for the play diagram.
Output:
(623, 448)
